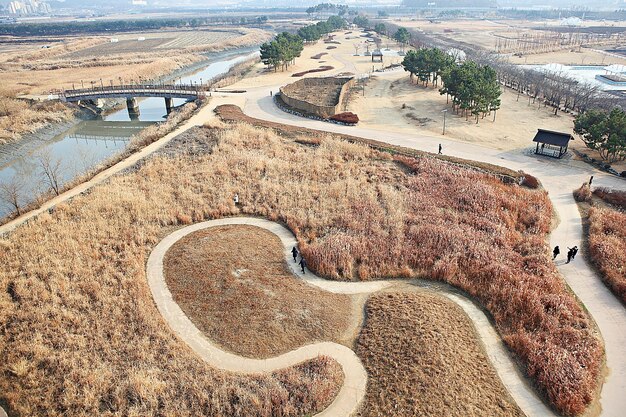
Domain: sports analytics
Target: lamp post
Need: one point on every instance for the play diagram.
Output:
(444, 111)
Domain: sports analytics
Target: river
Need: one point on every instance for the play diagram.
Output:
(84, 145)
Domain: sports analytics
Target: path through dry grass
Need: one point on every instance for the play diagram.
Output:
(77, 309)
(232, 282)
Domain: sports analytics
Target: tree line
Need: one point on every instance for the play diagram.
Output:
(108, 26)
(340, 9)
(313, 33)
(286, 47)
(474, 88)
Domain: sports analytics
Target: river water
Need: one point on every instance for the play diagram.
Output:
(88, 143)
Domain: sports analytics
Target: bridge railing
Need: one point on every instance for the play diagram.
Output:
(137, 89)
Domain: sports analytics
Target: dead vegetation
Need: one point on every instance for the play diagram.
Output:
(232, 282)
(604, 221)
(22, 116)
(423, 359)
(357, 213)
(607, 243)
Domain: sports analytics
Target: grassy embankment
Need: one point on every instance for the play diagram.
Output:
(423, 359)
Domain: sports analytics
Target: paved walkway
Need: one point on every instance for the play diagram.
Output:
(353, 390)
(560, 178)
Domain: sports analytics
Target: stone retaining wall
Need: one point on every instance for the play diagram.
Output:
(321, 96)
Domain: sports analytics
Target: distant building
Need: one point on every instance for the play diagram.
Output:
(28, 8)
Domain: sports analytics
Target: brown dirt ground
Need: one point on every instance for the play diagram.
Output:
(423, 359)
(233, 284)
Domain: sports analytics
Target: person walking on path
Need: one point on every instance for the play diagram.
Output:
(271, 94)
(570, 254)
(574, 252)
(302, 264)
(294, 252)
(555, 252)
(440, 148)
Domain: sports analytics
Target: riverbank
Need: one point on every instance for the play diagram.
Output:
(27, 152)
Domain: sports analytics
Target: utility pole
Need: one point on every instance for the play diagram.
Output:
(444, 111)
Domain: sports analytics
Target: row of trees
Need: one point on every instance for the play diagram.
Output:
(427, 64)
(282, 50)
(474, 88)
(548, 88)
(312, 33)
(286, 47)
(340, 9)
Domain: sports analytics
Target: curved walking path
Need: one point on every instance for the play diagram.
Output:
(353, 390)
(559, 178)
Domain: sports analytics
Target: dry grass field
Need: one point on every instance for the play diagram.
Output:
(232, 282)
(604, 212)
(77, 310)
(21, 116)
(423, 359)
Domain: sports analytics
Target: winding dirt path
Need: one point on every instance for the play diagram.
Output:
(353, 391)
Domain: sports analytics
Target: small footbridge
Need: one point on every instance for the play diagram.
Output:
(133, 91)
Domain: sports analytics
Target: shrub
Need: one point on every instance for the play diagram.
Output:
(583, 193)
(530, 181)
(346, 117)
(623, 174)
(614, 197)
(320, 69)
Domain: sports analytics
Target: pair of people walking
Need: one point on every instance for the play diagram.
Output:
(295, 254)
(571, 253)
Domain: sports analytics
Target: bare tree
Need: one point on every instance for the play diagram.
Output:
(52, 169)
(11, 192)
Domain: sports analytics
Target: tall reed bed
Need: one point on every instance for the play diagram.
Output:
(607, 247)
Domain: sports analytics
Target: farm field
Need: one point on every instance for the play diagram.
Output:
(490, 34)
(71, 61)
